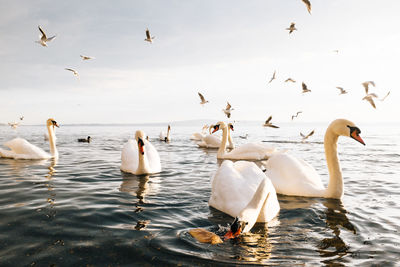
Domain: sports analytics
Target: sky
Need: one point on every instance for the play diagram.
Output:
(226, 49)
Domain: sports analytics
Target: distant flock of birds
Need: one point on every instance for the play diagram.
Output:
(239, 187)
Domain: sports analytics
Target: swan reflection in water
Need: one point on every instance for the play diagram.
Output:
(140, 185)
(336, 219)
(51, 198)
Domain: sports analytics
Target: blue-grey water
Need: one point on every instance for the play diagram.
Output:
(83, 211)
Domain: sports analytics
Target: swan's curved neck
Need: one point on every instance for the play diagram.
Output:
(143, 166)
(250, 213)
(335, 185)
(222, 147)
(169, 129)
(52, 141)
(230, 140)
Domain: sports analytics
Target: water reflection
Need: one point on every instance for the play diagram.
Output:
(336, 219)
(51, 198)
(139, 186)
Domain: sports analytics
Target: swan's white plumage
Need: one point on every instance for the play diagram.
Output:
(250, 151)
(291, 175)
(233, 188)
(130, 157)
(22, 149)
(210, 141)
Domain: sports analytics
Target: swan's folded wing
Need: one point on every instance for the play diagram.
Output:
(291, 175)
(251, 151)
(233, 186)
(153, 157)
(22, 149)
(129, 156)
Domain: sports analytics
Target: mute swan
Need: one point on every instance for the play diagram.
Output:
(250, 151)
(139, 156)
(22, 149)
(199, 136)
(295, 177)
(84, 140)
(165, 136)
(211, 141)
(243, 191)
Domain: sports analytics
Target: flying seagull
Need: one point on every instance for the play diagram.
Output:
(291, 28)
(228, 110)
(297, 114)
(305, 89)
(308, 4)
(370, 98)
(43, 39)
(22, 117)
(273, 77)
(203, 100)
(305, 137)
(366, 85)
(149, 38)
(268, 123)
(290, 80)
(73, 71)
(388, 93)
(342, 91)
(86, 57)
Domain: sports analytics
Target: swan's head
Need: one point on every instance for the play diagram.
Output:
(219, 125)
(88, 138)
(52, 122)
(347, 128)
(230, 125)
(140, 136)
(236, 228)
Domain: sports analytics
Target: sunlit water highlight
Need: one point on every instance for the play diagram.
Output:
(83, 210)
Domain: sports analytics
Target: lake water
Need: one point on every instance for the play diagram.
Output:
(82, 210)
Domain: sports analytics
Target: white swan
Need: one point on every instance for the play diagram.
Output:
(212, 141)
(199, 136)
(22, 149)
(243, 191)
(250, 151)
(166, 136)
(295, 177)
(139, 156)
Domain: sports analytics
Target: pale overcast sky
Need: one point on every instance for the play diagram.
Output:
(226, 49)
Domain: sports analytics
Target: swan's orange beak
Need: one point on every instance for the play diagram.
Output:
(230, 234)
(216, 128)
(356, 137)
(55, 124)
(236, 229)
(231, 126)
(355, 134)
(141, 146)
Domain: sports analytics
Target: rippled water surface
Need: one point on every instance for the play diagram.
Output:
(82, 210)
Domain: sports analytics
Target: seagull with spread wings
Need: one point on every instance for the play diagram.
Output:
(273, 77)
(43, 39)
(268, 123)
(388, 93)
(292, 27)
(366, 85)
(297, 114)
(228, 110)
(73, 71)
(342, 91)
(305, 137)
(290, 80)
(149, 38)
(370, 98)
(86, 57)
(203, 100)
(308, 5)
